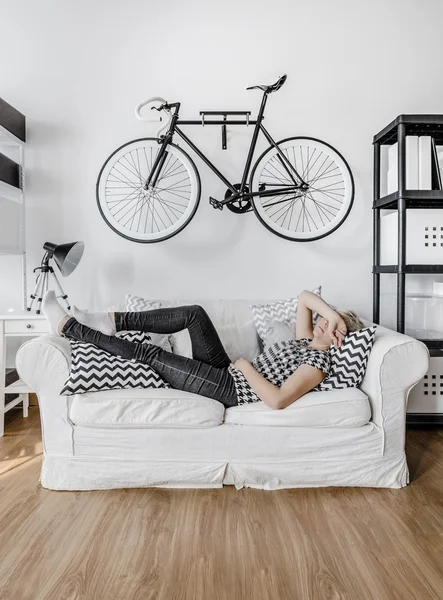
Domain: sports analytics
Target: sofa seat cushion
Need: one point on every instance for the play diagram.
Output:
(336, 408)
(145, 408)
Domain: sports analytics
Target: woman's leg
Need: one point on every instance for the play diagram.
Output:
(181, 373)
(206, 344)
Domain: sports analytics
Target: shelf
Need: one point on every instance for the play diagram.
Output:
(12, 124)
(436, 345)
(423, 269)
(10, 192)
(413, 198)
(18, 387)
(424, 419)
(9, 139)
(415, 125)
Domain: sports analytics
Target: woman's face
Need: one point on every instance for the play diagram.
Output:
(321, 334)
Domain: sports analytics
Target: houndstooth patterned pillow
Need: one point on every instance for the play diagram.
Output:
(138, 304)
(281, 310)
(94, 370)
(349, 362)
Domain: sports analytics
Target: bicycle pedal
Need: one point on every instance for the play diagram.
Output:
(215, 203)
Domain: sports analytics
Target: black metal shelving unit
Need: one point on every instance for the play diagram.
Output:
(402, 200)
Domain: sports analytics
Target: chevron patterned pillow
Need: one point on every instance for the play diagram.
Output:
(281, 310)
(138, 304)
(349, 362)
(94, 370)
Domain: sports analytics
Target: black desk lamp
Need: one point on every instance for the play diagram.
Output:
(66, 257)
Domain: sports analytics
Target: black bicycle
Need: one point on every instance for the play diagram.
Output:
(148, 190)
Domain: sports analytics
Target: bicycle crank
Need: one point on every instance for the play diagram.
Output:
(240, 205)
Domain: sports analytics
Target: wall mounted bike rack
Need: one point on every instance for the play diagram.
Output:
(224, 114)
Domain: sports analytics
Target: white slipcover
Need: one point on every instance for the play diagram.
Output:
(145, 408)
(247, 448)
(337, 408)
(174, 408)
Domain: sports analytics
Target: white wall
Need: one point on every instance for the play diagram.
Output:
(78, 69)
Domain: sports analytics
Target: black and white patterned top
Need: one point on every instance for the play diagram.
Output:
(278, 362)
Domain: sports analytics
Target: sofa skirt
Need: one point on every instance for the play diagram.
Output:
(268, 458)
(81, 473)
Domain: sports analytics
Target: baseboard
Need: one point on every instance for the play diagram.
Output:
(424, 419)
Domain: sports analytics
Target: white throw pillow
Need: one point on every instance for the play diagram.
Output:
(280, 310)
(181, 343)
(138, 304)
(278, 331)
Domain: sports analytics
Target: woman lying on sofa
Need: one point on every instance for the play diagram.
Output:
(278, 376)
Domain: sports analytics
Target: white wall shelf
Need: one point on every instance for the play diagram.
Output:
(9, 139)
(13, 236)
(9, 192)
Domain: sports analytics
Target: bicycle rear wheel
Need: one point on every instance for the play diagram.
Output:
(153, 215)
(305, 215)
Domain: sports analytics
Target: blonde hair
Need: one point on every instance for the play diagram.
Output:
(353, 323)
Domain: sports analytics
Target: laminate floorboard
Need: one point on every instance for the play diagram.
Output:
(223, 544)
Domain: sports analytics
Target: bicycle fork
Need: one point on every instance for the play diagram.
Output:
(163, 153)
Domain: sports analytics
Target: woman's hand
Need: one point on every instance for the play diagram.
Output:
(337, 329)
(239, 363)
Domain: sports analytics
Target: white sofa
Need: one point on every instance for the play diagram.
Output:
(168, 438)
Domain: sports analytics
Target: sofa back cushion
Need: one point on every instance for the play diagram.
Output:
(234, 323)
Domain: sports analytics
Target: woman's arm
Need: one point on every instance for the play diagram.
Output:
(302, 381)
(307, 303)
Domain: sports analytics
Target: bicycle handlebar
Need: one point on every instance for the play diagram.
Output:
(167, 111)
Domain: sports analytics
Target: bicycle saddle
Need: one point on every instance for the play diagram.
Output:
(270, 88)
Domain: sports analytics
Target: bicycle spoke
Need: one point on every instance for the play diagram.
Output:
(282, 199)
(283, 176)
(324, 173)
(164, 206)
(325, 207)
(286, 212)
(130, 168)
(328, 195)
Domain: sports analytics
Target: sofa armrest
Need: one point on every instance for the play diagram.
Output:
(397, 362)
(43, 364)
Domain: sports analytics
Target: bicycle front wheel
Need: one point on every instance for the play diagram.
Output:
(155, 214)
(304, 215)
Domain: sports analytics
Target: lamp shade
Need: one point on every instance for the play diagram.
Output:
(66, 256)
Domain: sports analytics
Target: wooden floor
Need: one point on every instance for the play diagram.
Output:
(146, 544)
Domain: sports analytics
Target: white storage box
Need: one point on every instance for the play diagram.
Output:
(424, 237)
(427, 395)
(423, 315)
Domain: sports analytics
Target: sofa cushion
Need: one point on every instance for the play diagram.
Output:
(234, 324)
(336, 408)
(145, 408)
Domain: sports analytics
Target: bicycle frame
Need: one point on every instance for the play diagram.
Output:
(242, 192)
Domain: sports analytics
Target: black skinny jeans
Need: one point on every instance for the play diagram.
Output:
(205, 374)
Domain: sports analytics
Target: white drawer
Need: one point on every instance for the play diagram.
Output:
(24, 326)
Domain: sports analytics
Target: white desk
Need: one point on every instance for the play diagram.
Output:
(25, 324)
